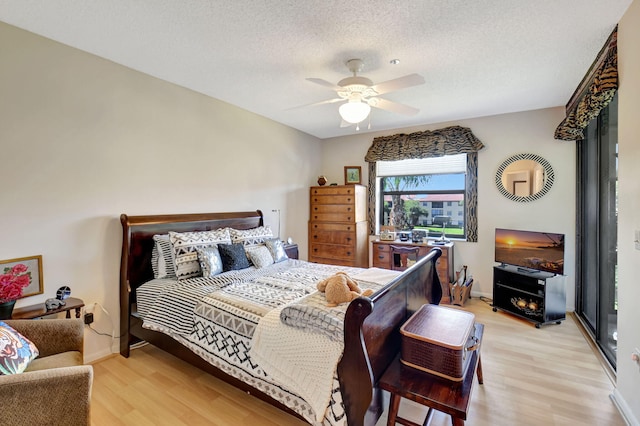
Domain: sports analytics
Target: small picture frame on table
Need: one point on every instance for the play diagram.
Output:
(352, 175)
(27, 266)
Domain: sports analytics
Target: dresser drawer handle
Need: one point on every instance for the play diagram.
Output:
(315, 236)
(348, 209)
(315, 217)
(380, 257)
(315, 250)
(348, 238)
(315, 208)
(349, 218)
(348, 253)
(349, 199)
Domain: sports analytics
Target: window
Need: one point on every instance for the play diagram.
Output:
(413, 194)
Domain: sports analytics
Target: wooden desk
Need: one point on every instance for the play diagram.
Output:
(39, 310)
(382, 258)
(431, 391)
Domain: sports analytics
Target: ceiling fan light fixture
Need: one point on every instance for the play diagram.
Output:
(354, 111)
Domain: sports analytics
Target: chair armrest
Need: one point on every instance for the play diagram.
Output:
(52, 336)
(58, 396)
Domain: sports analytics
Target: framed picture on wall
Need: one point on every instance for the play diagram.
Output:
(352, 175)
(23, 276)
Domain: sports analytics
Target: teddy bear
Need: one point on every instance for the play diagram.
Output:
(340, 288)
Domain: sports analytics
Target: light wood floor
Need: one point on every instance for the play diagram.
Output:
(546, 376)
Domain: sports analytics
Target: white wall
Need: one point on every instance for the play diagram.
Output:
(627, 392)
(502, 136)
(83, 140)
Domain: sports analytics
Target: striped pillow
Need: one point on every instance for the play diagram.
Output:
(185, 249)
(162, 261)
(250, 237)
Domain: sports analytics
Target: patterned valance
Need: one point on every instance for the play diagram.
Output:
(430, 143)
(593, 94)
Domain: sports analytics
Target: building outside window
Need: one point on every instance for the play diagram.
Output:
(413, 195)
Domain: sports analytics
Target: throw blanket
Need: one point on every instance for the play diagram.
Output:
(312, 314)
(306, 361)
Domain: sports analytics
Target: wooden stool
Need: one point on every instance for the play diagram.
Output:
(431, 391)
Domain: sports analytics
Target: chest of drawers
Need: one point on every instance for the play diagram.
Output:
(337, 225)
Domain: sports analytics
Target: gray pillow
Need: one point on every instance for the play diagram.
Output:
(210, 261)
(277, 249)
(260, 256)
(233, 257)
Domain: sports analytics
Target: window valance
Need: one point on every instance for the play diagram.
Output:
(593, 94)
(429, 143)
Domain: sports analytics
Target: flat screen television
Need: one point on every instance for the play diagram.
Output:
(535, 251)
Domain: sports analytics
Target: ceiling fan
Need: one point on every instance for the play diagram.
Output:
(359, 94)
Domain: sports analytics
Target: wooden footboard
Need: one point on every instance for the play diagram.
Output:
(372, 325)
(372, 336)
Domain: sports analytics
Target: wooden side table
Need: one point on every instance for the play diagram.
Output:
(291, 250)
(39, 310)
(431, 391)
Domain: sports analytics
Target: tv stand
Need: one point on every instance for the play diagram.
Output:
(536, 296)
(525, 270)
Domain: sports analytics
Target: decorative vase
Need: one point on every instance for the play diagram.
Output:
(6, 309)
(322, 180)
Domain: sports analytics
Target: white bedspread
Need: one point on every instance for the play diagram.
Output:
(305, 362)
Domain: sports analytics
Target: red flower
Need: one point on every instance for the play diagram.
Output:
(13, 281)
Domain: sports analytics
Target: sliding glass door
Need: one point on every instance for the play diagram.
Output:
(596, 231)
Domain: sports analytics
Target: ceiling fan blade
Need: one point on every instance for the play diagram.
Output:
(328, 101)
(392, 106)
(325, 83)
(398, 83)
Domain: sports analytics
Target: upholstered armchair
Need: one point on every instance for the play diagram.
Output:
(55, 389)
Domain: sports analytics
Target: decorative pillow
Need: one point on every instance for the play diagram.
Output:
(16, 351)
(260, 256)
(250, 237)
(277, 249)
(233, 257)
(210, 261)
(185, 246)
(162, 261)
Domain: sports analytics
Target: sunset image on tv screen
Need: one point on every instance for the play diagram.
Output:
(543, 251)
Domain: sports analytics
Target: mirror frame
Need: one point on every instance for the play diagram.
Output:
(548, 181)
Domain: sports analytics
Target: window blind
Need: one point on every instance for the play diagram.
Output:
(433, 165)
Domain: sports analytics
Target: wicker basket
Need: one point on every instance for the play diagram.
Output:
(437, 339)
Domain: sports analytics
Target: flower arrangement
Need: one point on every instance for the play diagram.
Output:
(13, 281)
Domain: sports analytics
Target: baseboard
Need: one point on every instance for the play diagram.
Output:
(90, 358)
(606, 365)
(623, 408)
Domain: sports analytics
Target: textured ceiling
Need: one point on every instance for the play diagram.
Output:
(478, 57)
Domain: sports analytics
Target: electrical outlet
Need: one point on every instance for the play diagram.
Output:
(88, 318)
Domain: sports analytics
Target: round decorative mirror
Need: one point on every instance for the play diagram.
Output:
(524, 177)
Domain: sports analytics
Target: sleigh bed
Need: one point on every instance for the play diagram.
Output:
(370, 328)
